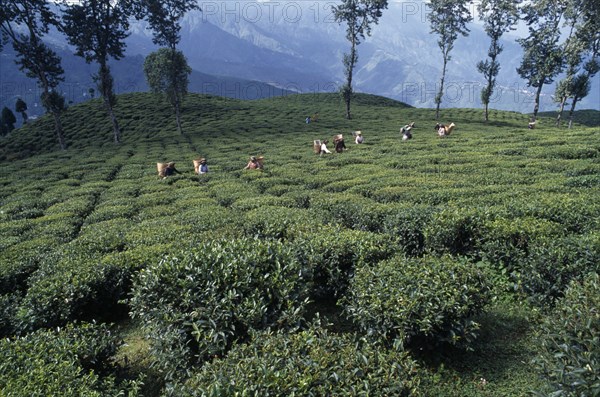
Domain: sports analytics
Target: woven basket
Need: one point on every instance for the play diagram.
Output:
(161, 169)
(317, 146)
(197, 166)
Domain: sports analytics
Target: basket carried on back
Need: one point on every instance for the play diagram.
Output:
(161, 167)
(197, 165)
(317, 146)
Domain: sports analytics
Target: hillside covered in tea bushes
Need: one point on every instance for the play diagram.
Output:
(458, 266)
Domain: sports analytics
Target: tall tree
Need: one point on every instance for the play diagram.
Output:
(542, 55)
(581, 85)
(7, 120)
(34, 57)
(97, 29)
(164, 17)
(163, 67)
(448, 19)
(359, 16)
(581, 50)
(21, 107)
(499, 17)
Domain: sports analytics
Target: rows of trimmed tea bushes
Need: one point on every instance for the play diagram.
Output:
(196, 305)
(242, 284)
(314, 360)
(74, 361)
(532, 249)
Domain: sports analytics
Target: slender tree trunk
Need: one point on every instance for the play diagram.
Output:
(351, 65)
(176, 99)
(487, 118)
(438, 98)
(106, 88)
(55, 113)
(563, 102)
(575, 99)
(491, 81)
(59, 130)
(113, 119)
(178, 113)
(538, 92)
(486, 115)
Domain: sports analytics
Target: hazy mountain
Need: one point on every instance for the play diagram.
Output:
(297, 45)
(129, 77)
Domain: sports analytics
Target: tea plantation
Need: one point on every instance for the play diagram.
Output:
(458, 266)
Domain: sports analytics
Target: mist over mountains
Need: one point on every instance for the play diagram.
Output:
(298, 45)
(253, 49)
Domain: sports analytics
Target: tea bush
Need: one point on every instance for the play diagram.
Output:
(108, 212)
(455, 231)
(19, 261)
(414, 300)
(225, 194)
(79, 205)
(158, 231)
(308, 363)
(198, 303)
(407, 224)
(554, 262)
(349, 210)
(280, 223)
(63, 226)
(70, 362)
(576, 213)
(569, 341)
(506, 243)
(254, 202)
(103, 237)
(76, 286)
(330, 256)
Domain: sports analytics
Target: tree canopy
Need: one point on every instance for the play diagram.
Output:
(167, 72)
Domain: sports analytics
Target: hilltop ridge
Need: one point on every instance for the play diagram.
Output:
(148, 117)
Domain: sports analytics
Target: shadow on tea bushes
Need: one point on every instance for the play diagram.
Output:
(407, 224)
(455, 231)
(506, 243)
(19, 261)
(78, 286)
(349, 210)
